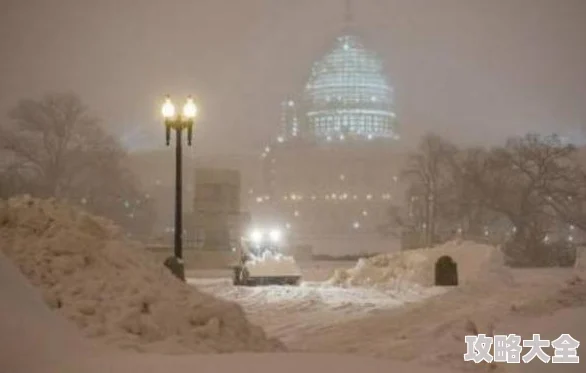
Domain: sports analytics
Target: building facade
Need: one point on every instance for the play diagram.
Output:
(333, 168)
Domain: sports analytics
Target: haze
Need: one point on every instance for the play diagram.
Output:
(473, 71)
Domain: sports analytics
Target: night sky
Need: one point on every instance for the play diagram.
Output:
(472, 70)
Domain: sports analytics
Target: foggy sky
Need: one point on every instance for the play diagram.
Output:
(473, 70)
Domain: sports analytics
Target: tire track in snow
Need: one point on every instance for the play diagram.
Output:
(291, 313)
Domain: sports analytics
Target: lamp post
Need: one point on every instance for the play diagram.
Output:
(178, 122)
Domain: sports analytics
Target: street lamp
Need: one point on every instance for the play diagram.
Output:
(178, 122)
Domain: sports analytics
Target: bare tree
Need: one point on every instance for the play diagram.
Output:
(55, 147)
(55, 140)
(537, 184)
(430, 174)
(470, 208)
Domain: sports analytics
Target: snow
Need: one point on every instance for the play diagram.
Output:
(95, 280)
(112, 289)
(33, 339)
(411, 268)
(432, 332)
(27, 325)
(271, 265)
(393, 270)
(292, 313)
(412, 322)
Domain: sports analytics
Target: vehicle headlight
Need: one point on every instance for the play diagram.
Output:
(275, 235)
(256, 236)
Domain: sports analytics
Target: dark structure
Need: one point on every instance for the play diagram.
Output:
(446, 272)
(218, 222)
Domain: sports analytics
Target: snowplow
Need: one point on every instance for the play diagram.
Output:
(261, 261)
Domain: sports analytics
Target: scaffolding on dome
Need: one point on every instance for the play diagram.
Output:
(346, 96)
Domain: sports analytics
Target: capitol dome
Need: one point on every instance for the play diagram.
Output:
(347, 95)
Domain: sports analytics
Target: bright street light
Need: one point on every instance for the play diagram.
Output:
(177, 123)
(190, 109)
(168, 109)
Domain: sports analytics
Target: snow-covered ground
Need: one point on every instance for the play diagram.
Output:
(34, 339)
(416, 324)
(64, 273)
(292, 313)
(318, 270)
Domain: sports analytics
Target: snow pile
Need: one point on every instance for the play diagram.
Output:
(270, 264)
(35, 340)
(113, 289)
(412, 268)
(432, 332)
(394, 271)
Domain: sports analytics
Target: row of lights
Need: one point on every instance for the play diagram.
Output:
(363, 213)
(329, 138)
(513, 230)
(546, 238)
(327, 197)
(342, 177)
(355, 224)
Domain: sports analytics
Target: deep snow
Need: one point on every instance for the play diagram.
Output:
(113, 289)
(415, 326)
(34, 339)
(70, 257)
(293, 313)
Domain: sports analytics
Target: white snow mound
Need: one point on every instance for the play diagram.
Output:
(271, 265)
(113, 289)
(415, 268)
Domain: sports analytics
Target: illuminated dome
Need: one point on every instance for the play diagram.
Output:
(347, 95)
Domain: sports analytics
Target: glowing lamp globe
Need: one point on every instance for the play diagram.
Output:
(189, 109)
(168, 109)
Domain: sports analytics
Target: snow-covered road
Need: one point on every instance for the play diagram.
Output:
(408, 324)
(292, 313)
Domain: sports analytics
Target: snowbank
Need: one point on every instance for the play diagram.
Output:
(27, 325)
(113, 289)
(417, 267)
(35, 340)
(432, 332)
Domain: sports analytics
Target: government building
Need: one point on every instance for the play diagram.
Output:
(327, 178)
(332, 170)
